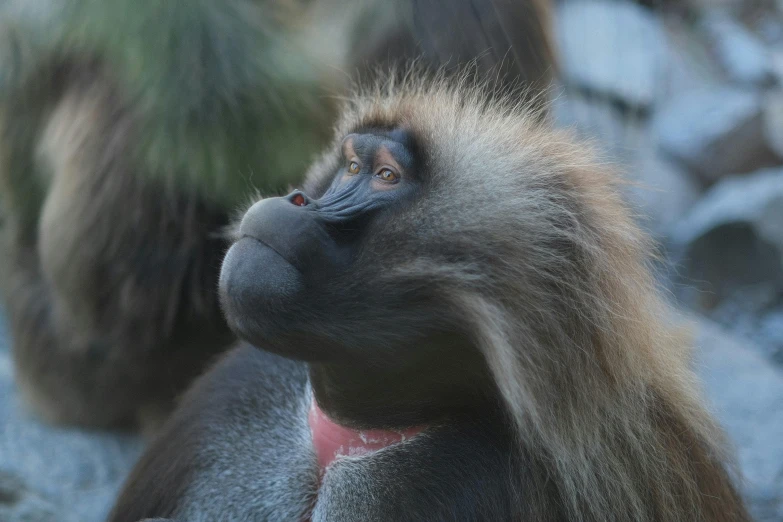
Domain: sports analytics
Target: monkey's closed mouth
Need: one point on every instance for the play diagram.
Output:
(270, 247)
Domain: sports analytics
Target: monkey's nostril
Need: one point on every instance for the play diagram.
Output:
(298, 200)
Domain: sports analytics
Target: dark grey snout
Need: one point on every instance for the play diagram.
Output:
(289, 226)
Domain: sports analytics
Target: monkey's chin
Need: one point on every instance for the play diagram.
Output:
(258, 290)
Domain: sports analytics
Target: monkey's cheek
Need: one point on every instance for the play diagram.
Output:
(258, 290)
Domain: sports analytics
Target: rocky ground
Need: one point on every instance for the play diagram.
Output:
(689, 100)
(55, 474)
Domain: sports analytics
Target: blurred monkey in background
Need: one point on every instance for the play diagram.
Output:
(129, 133)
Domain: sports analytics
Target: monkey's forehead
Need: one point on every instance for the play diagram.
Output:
(392, 132)
(375, 145)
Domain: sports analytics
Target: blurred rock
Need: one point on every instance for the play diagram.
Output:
(662, 191)
(715, 132)
(733, 238)
(773, 121)
(754, 312)
(731, 5)
(776, 57)
(770, 330)
(611, 48)
(689, 64)
(618, 134)
(743, 56)
(19, 504)
(54, 474)
(770, 29)
(747, 395)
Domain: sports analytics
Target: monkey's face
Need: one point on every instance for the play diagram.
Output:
(305, 278)
(418, 216)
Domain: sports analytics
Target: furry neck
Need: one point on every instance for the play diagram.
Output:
(332, 441)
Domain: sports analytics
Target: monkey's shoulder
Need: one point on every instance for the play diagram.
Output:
(247, 376)
(238, 446)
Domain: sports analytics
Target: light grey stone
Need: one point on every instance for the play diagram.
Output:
(770, 30)
(714, 132)
(746, 393)
(689, 64)
(754, 312)
(773, 120)
(618, 135)
(662, 190)
(755, 198)
(734, 6)
(729, 251)
(19, 504)
(733, 238)
(613, 48)
(742, 55)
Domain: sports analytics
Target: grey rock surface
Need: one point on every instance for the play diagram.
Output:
(729, 252)
(733, 238)
(662, 191)
(714, 132)
(773, 121)
(731, 5)
(618, 136)
(747, 396)
(756, 313)
(743, 55)
(614, 48)
(55, 474)
(688, 65)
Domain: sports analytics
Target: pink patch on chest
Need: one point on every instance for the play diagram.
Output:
(332, 441)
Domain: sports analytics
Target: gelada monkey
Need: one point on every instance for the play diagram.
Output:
(454, 319)
(129, 134)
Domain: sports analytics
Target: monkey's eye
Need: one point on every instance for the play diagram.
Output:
(388, 175)
(353, 167)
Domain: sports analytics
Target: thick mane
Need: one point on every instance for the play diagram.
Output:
(554, 283)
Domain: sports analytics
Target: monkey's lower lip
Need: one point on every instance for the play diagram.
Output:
(257, 287)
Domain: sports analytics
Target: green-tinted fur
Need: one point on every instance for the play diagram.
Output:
(225, 101)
